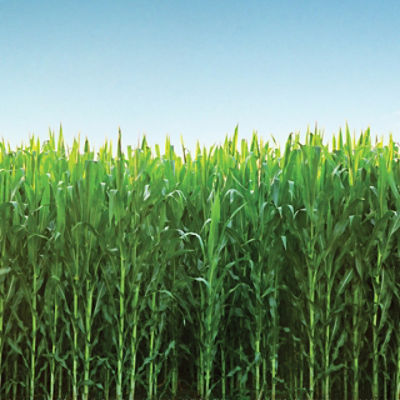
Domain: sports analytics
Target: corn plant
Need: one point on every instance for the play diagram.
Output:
(244, 270)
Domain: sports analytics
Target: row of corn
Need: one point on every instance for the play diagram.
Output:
(241, 271)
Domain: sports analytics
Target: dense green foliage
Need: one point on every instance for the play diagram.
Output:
(239, 272)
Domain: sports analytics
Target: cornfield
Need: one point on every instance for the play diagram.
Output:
(242, 271)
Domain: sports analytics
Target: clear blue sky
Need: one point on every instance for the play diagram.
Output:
(197, 68)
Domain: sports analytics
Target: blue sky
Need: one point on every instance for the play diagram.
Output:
(197, 68)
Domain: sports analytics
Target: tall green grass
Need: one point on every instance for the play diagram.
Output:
(241, 271)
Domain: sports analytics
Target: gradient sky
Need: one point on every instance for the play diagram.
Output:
(197, 68)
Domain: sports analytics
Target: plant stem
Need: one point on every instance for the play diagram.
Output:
(355, 346)
(375, 344)
(151, 350)
(75, 353)
(88, 321)
(34, 328)
(121, 325)
(53, 349)
(326, 348)
(312, 333)
(134, 342)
